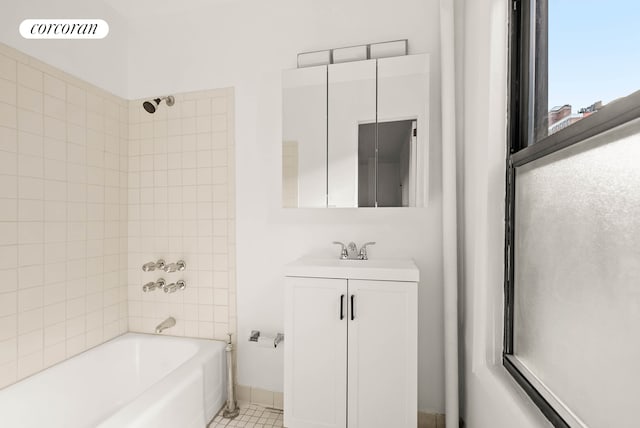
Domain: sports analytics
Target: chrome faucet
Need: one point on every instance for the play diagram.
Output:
(350, 251)
(168, 323)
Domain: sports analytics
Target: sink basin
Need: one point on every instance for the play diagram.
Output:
(376, 269)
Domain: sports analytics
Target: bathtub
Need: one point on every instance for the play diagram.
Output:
(134, 380)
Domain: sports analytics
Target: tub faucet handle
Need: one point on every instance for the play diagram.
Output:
(179, 266)
(151, 266)
(148, 267)
(173, 287)
(150, 286)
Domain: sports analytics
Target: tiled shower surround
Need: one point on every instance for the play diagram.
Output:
(63, 216)
(92, 187)
(181, 206)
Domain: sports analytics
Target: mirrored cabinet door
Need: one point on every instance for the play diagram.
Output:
(352, 115)
(304, 137)
(403, 131)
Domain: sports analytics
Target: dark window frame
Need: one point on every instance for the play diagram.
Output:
(528, 22)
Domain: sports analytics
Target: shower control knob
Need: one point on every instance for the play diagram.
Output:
(173, 287)
(151, 266)
(150, 286)
(179, 266)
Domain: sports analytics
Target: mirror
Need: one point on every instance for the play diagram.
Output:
(356, 134)
(352, 102)
(385, 176)
(304, 137)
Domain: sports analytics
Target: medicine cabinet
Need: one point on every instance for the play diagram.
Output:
(356, 134)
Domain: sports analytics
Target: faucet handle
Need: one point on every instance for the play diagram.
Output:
(151, 266)
(363, 250)
(343, 252)
(179, 266)
(174, 286)
(150, 286)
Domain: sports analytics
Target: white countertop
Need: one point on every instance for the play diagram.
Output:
(381, 270)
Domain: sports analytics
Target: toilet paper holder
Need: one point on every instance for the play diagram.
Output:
(255, 334)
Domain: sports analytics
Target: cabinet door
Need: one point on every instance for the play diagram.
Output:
(382, 354)
(403, 97)
(304, 137)
(315, 377)
(352, 110)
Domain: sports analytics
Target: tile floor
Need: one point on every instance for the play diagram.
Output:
(251, 416)
(256, 416)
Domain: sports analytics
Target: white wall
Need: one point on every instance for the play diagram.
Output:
(490, 397)
(247, 45)
(196, 44)
(101, 62)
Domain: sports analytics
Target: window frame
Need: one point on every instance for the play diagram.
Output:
(522, 148)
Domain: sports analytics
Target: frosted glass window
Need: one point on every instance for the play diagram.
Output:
(577, 276)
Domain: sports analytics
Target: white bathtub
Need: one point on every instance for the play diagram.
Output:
(135, 380)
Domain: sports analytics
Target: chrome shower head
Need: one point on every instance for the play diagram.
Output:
(152, 106)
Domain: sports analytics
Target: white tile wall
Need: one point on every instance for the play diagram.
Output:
(181, 206)
(63, 215)
(92, 187)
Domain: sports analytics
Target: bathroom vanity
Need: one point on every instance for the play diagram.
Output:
(351, 348)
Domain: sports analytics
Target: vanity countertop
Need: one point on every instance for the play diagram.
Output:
(381, 270)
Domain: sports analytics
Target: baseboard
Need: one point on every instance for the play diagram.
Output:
(431, 420)
(263, 397)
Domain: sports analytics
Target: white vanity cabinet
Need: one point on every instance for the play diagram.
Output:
(351, 344)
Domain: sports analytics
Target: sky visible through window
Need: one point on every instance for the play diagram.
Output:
(594, 51)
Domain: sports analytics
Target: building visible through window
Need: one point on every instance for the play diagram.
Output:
(562, 116)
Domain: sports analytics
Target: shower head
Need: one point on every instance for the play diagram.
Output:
(151, 106)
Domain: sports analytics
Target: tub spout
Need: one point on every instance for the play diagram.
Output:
(168, 323)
